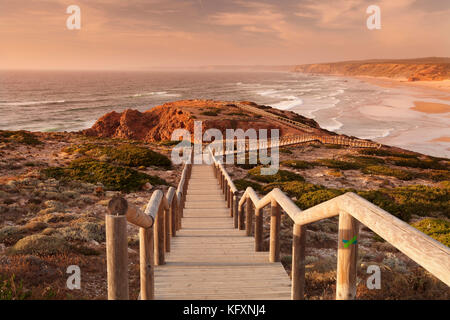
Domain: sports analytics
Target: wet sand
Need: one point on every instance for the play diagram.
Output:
(431, 107)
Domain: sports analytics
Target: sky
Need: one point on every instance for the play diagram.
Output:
(146, 34)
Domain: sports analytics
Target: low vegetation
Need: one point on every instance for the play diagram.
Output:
(115, 178)
(125, 154)
(20, 137)
(11, 290)
(438, 229)
(280, 176)
(298, 164)
(391, 172)
(386, 153)
(243, 184)
(419, 163)
(338, 164)
(404, 202)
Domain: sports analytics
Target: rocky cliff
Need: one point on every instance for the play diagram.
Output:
(428, 69)
(158, 124)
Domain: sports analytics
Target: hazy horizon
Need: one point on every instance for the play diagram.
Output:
(156, 34)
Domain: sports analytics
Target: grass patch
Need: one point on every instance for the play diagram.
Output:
(242, 184)
(280, 176)
(419, 200)
(169, 143)
(363, 161)
(10, 290)
(438, 229)
(385, 153)
(285, 151)
(209, 113)
(113, 177)
(418, 163)
(298, 164)
(386, 171)
(338, 164)
(240, 114)
(314, 198)
(125, 154)
(307, 194)
(21, 137)
(435, 175)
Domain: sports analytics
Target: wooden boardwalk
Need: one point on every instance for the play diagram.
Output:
(210, 259)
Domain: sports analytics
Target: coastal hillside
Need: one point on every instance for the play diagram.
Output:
(423, 69)
(55, 188)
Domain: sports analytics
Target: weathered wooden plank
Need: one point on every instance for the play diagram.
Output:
(210, 259)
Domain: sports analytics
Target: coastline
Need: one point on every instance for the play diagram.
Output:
(418, 101)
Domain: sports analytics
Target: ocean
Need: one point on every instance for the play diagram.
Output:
(71, 101)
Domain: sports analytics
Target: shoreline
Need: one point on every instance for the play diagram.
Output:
(415, 104)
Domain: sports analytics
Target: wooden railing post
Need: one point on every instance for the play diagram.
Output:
(117, 250)
(231, 196)
(241, 225)
(167, 224)
(275, 222)
(347, 257)
(235, 210)
(179, 210)
(159, 237)
(258, 229)
(248, 217)
(298, 262)
(146, 259)
(173, 216)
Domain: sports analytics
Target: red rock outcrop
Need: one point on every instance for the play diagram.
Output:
(158, 124)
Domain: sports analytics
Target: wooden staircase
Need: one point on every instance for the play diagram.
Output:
(210, 259)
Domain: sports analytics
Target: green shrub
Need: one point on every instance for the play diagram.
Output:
(385, 153)
(435, 175)
(240, 114)
(417, 163)
(280, 176)
(247, 165)
(22, 137)
(243, 184)
(314, 198)
(169, 143)
(363, 161)
(113, 177)
(298, 164)
(285, 151)
(209, 113)
(405, 201)
(124, 154)
(134, 156)
(10, 290)
(438, 229)
(293, 188)
(386, 171)
(338, 164)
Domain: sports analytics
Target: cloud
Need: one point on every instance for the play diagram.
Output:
(166, 32)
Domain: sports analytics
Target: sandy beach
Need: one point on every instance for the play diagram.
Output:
(431, 107)
(424, 105)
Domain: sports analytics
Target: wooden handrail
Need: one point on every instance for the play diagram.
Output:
(352, 210)
(227, 185)
(158, 223)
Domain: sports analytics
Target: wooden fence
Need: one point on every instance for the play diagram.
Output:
(158, 223)
(162, 219)
(352, 210)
